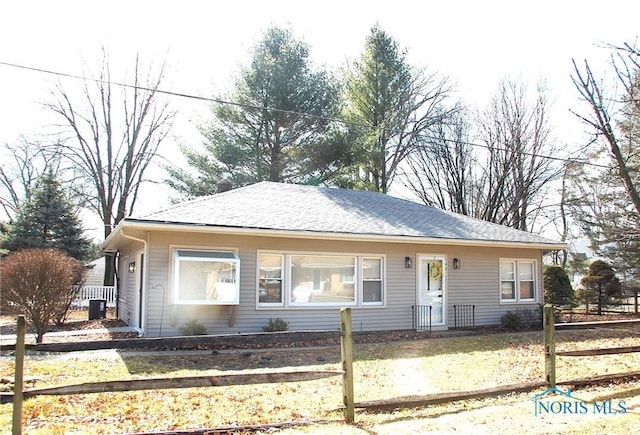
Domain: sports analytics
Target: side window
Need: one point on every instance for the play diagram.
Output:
(507, 281)
(526, 281)
(517, 281)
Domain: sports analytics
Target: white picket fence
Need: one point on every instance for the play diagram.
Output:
(89, 292)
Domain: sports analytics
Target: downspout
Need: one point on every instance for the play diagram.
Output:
(144, 277)
(117, 282)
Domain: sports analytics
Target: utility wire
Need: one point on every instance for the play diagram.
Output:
(182, 95)
(288, 112)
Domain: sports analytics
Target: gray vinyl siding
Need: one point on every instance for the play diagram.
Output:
(475, 283)
(124, 308)
(157, 298)
(127, 289)
(128, 282)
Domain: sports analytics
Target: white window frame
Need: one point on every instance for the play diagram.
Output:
(231, 256)
(358, 282)
(381, 280)
(516, 267)
(281, 279)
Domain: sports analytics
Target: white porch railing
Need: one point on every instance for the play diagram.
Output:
(89, 292)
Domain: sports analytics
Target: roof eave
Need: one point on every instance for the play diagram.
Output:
(146, 225)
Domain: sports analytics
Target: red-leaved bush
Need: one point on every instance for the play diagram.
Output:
(41, 284)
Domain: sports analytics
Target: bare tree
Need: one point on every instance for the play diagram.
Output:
(440, 171)
(612, 220)
(114, 132)
(625, 61)
(504, 179)
(516, 172)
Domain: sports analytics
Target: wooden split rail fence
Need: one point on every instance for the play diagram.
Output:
(346, 343)
(550, 352)
(346, 373)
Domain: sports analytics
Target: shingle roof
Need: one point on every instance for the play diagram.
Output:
(298, 208)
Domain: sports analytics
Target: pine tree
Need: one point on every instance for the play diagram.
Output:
(279, 127)
(390, 106)
(48, 220)
(557, 286)
(601, 284)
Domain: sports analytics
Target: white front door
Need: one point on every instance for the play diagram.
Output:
(431, 289)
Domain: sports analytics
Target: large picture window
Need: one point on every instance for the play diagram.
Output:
(205, 277)
(321, 279)
(517, 281)
(307, 280)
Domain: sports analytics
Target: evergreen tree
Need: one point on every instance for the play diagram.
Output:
(278, 128)
(557, 286)
(601, 284)
(390, 108)
(48, 220)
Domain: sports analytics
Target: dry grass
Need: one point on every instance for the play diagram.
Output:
(381, 371)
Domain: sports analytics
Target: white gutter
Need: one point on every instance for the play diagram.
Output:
(198, 228)
(145, 274)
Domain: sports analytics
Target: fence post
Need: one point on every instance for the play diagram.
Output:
(18, 381)
(346, 347)
(549, 345)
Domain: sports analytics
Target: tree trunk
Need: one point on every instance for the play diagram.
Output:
(599, 299)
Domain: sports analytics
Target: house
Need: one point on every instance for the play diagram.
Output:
(94, 275)
(234, 260)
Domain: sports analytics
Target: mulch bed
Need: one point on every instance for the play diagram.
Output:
(8, 326)
(593, 317)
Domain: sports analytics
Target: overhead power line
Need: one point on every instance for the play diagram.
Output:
(264, 108)
(178, 94)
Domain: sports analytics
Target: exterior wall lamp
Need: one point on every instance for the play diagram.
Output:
(456, 263)
(132, 267)
(407, 262)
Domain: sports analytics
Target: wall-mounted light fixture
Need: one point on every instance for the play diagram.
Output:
(407, 262)
(132, 267)
(456, 263)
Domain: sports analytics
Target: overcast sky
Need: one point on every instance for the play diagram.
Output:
(475, 43)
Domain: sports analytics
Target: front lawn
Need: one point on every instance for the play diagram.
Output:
(382, 370)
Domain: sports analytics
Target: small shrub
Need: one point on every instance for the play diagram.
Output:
(511, 321)
(529, 317)
(557, 286)
(193, 327)
(39, 283)
(276, 325)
